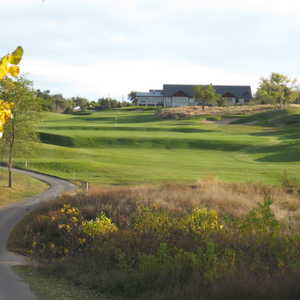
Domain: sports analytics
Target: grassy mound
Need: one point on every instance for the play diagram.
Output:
(204, 241)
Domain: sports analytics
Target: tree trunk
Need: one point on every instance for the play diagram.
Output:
(10, 156)
(10, 183)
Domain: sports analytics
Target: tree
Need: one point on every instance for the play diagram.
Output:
(132, 97)
(278, 89)
(20, 131)
(108, 103)
(79, 101)
(8, 66)
(206, 94)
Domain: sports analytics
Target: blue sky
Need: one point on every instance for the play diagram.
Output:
(100, 48)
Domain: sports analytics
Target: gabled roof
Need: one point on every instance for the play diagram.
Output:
(239, 91)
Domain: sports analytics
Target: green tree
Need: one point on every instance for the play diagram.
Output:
(80, 101)
(205, 95)
(20, 132)
(278, 89)
(132, 97)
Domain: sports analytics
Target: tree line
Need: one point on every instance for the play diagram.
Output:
(277, 89)
(58, 103)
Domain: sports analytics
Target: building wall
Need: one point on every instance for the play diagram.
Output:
(143, 100)
(179, 101)
(234, 101)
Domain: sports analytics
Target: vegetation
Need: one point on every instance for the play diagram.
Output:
(127, 147)
(132, 97)
(171, 241)
(187, 112)
(278, 89)
(24, 186)
(20, 131)
(46, 286)
(206, 95)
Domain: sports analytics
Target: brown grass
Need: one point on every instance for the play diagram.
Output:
(233, 199)
(193, 111)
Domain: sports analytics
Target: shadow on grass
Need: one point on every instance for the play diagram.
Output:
(120, 119)
(118, 128)
(138, 142)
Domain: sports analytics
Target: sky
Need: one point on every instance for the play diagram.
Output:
(107, 48)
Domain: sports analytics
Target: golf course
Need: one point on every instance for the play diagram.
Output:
(124, 146)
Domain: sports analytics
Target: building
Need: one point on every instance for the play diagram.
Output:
(183, 95)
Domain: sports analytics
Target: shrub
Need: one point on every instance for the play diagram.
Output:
(123, 242)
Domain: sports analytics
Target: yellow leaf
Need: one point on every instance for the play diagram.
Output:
(4, 66)
(16, 56)
(14, 71)
(5, 114)
(13, 58)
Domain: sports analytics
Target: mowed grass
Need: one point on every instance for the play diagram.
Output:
(23, 186)
(132, 147)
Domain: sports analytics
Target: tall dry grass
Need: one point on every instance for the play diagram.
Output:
(193, 111)
(234, 199)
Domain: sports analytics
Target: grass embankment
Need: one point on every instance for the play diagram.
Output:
(46, 286)
(166, 242)
(23, 186)
(133, 147)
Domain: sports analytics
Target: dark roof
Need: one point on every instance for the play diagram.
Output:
(239, 91)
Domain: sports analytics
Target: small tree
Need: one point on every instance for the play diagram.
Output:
(278, 89)
(132, 97)
(206, 94)
(20, 131)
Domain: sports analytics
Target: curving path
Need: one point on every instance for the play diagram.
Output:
(11, 286)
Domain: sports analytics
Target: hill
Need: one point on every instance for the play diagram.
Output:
(129, 147)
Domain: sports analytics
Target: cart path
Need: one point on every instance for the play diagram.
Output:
(11, 286)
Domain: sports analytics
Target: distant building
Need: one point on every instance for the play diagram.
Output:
(183, 95)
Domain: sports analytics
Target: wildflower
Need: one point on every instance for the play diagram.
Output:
(74, 219)
(82, 240)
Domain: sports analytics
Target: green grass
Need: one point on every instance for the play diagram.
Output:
(132, 147)
(23, 186)
(47, 287)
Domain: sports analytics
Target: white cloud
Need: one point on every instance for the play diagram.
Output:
(118, 78)
(141, 44)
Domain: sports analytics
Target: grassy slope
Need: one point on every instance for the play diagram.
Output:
(47, 287)
(23, 186)
(125, 147)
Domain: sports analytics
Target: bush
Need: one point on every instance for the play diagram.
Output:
(131, 247)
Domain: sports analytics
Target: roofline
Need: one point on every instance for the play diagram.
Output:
(207, 84)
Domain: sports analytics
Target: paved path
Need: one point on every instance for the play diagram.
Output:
(11, 286)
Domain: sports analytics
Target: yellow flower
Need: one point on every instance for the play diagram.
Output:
(82, 240)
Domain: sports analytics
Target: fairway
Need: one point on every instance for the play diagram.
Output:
(133, 147)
